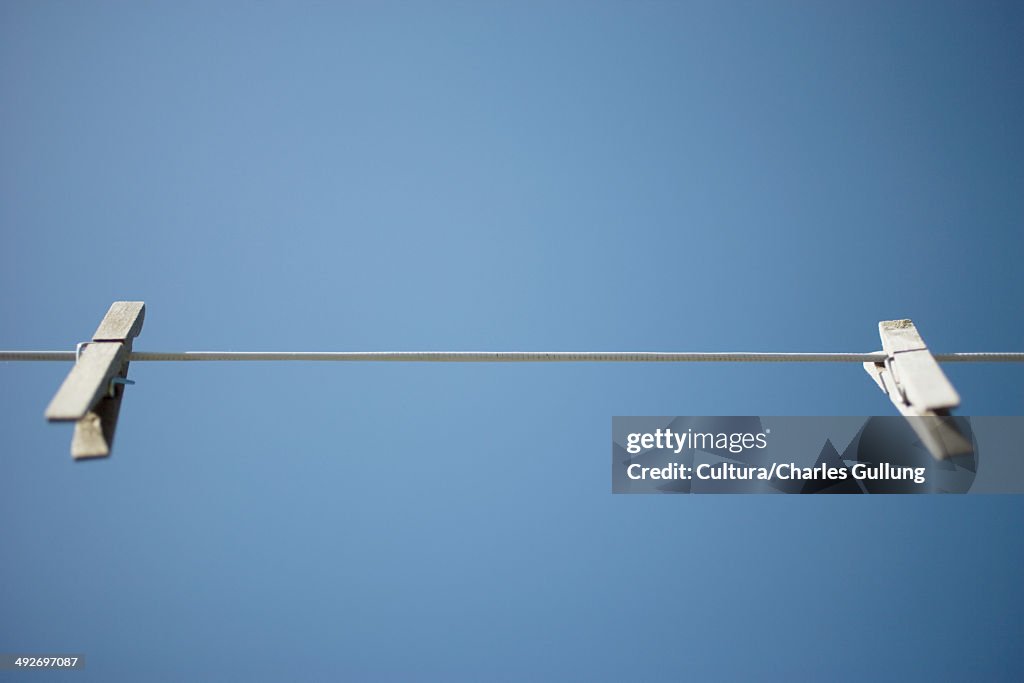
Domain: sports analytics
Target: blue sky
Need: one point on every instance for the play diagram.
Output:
(498, 176)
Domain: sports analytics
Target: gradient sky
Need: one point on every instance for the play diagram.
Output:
(498, 176)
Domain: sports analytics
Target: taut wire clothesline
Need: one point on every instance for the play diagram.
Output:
(905, 370)
(520, 356)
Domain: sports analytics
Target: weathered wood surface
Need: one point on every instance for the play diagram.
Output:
(88, 381)
(916, 370)
(94, 433)
(918, 388)
(86, 395)
(122, 322)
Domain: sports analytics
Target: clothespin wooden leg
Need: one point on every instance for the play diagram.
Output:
(91, 393)
(916, 385)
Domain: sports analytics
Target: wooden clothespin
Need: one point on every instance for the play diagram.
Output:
(91, 393)
(919, 389)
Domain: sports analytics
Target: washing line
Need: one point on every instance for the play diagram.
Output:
(519, 356)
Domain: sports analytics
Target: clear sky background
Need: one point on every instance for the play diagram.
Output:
(498, 176)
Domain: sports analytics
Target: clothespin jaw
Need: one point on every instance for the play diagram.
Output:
(91, 393)
(916, 385)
